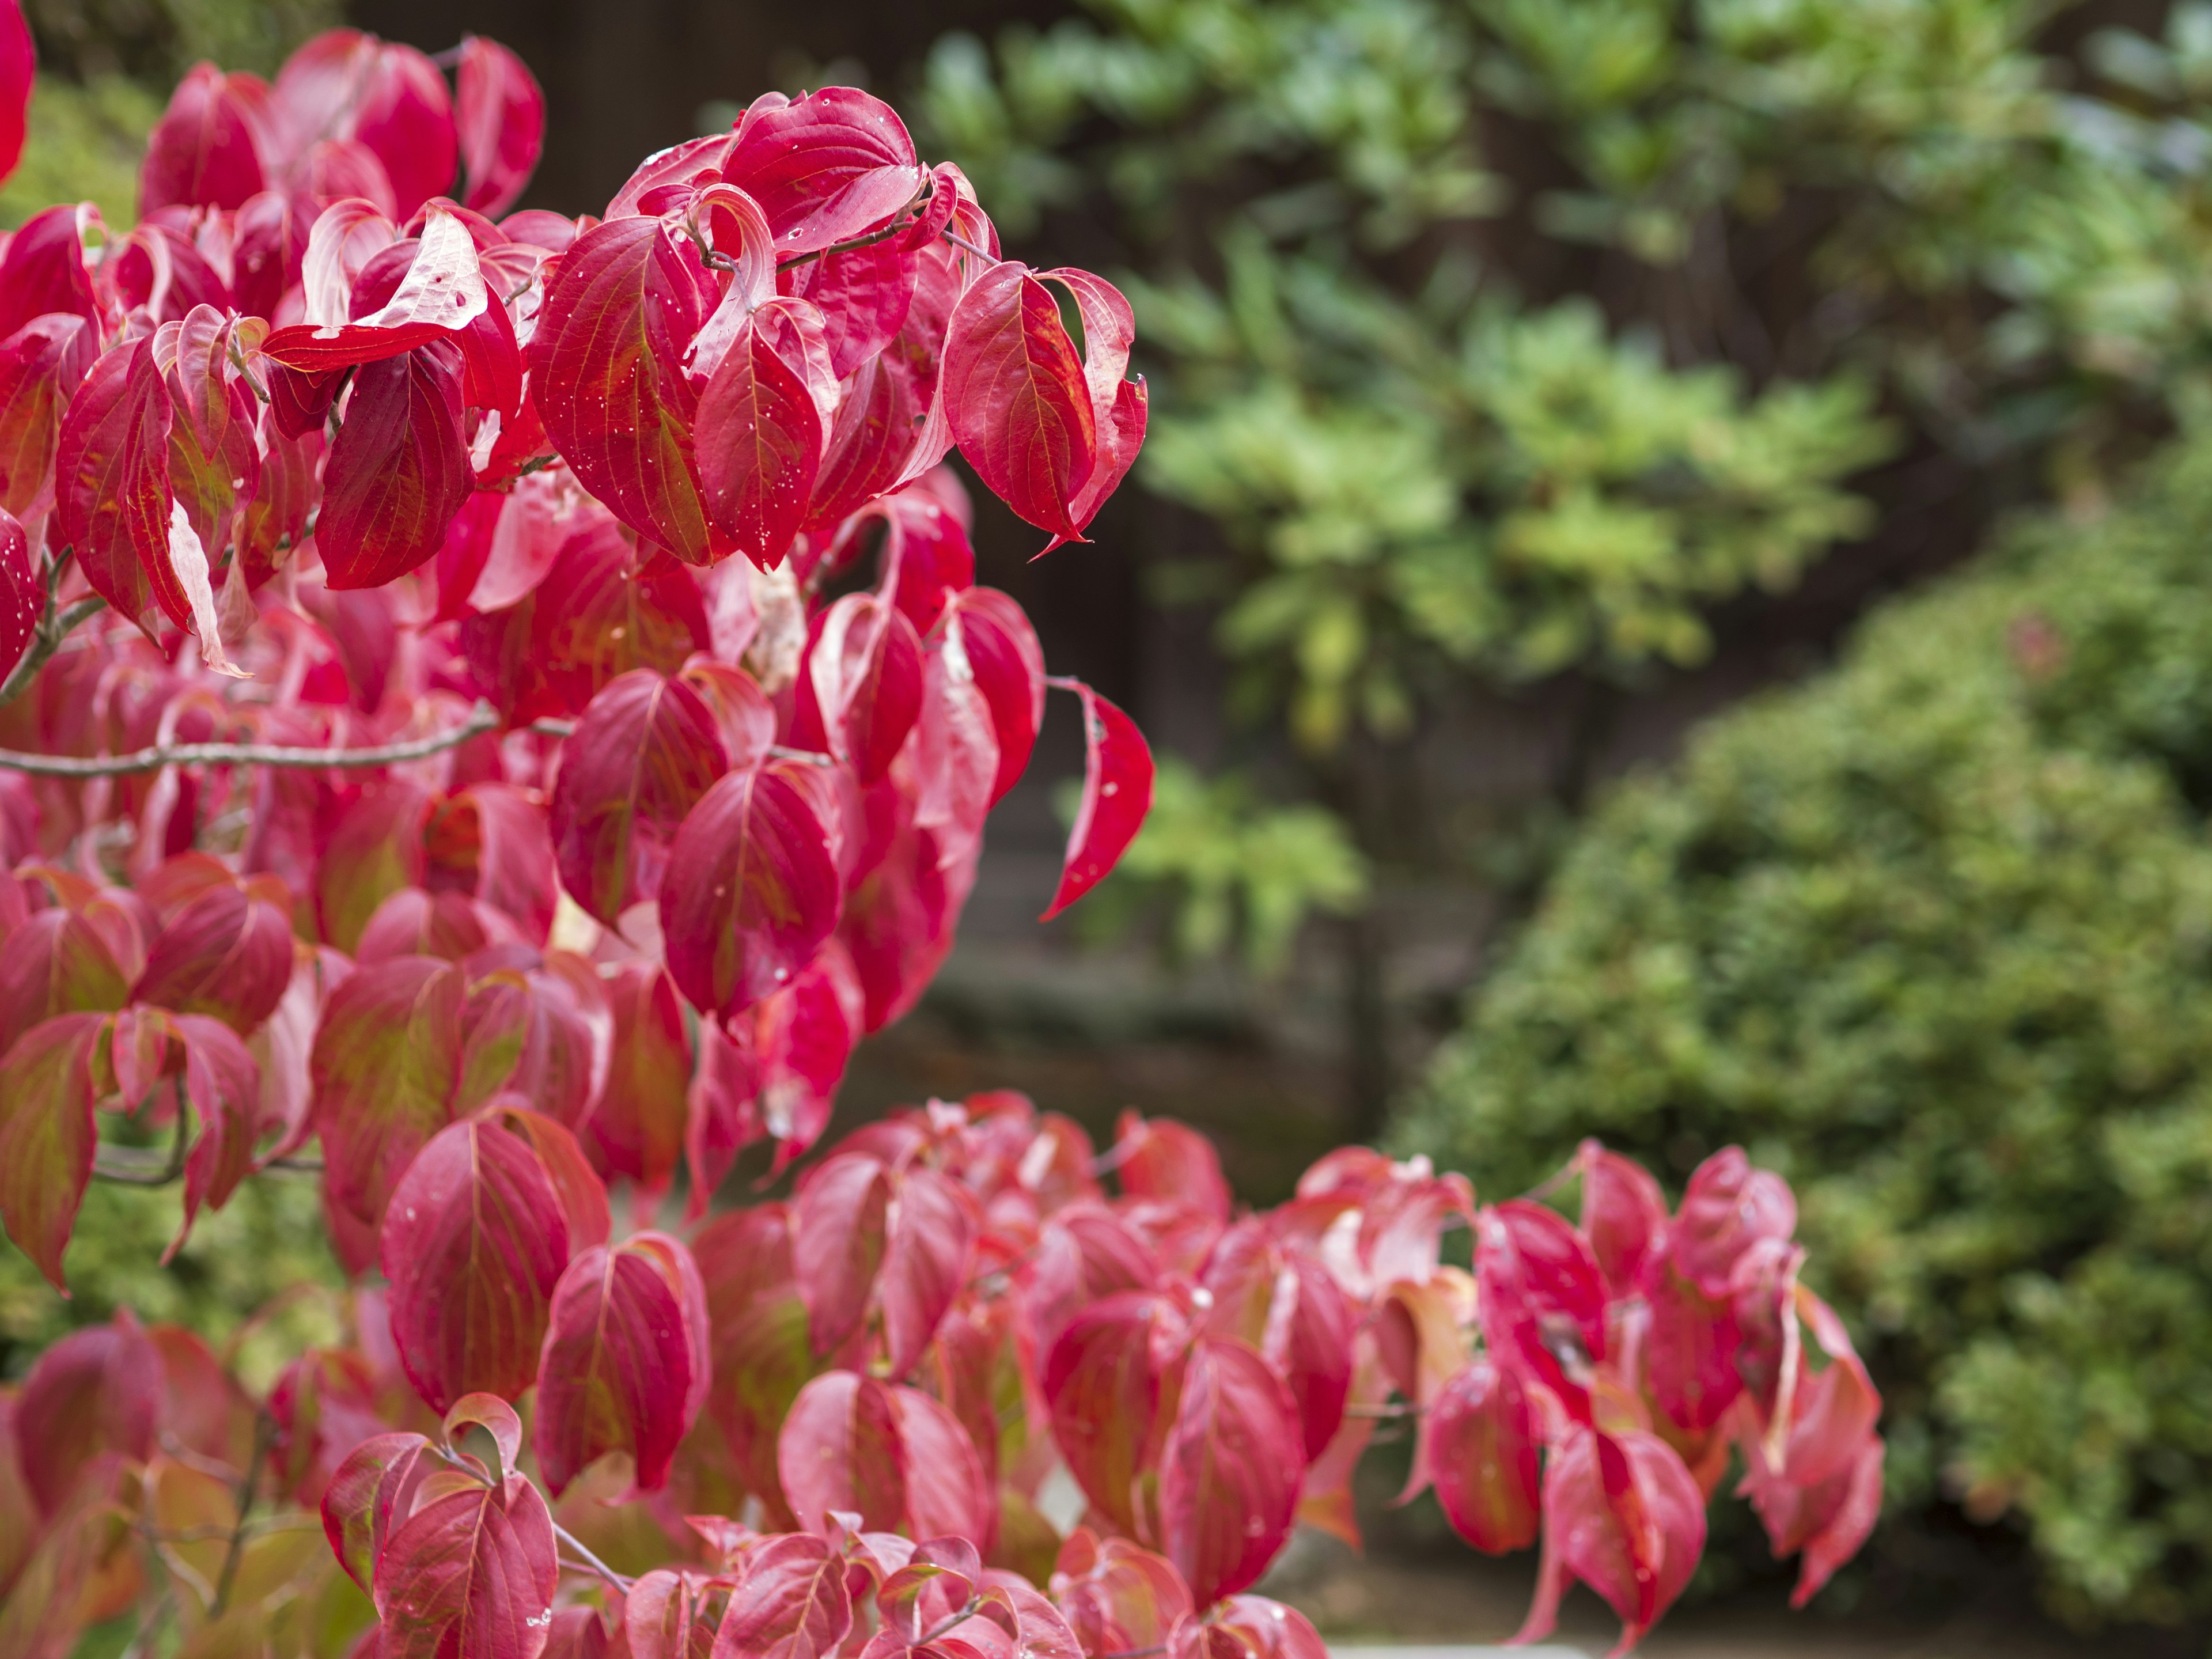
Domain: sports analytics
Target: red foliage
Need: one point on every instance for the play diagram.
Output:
(469, 666)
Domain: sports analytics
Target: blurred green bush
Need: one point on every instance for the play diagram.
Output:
(105, 70)
(1503, 337)
(1933, 936)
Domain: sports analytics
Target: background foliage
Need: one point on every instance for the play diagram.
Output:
(1933, 935)
(1504, 340)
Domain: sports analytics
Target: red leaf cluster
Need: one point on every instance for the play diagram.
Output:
(440, 791)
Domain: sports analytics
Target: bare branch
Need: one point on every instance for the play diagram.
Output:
(482, 718)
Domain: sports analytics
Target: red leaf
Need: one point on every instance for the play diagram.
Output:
(95, 1392)
(752, 889)
(1117, 793)
(839, 1449)
(1726, 1207)
(1542, 1299)
(606, 366)
(1003, 655)
(1834, 1410)
(1102, 1381)
(762, 1356)
(646, 749)
(1229, 1470)
(44, 270)
(823, 168)
(112, 484)
(803, 1037)
(863, 293)
(1828, 1521)
(865, 670)
(897, 923)
(1481, 1444)
(41, 365)
(386, 1063)
(1690, 1352)
(472, 1571)
(431, 288)
(49, 1081)
(500, 115)
(473, 1241)
(390, 98)
(636, 1130)
(374, 1486)
(1015, 397)
(761, 430)
(792, 1604)
(1116, 1597)
(946, 1492)
(1623, 1515)
(1623, 1214)
(933, 1229)
(840, 1232)
(606, 608)
(398, 469)
(201, 152)
(492, 840)
(1248, 1628)
(624, 1366)
(18, 62)
(227, 953)
(1293, 1311)
(1172, 1163)
(57, 963)
(224, 1085)
(582, 1194)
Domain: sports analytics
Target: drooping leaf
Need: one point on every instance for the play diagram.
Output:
(1623, 1214)
(500, 117)
(1103, 1380)
(866, 672)
(625, 1363)
(201, 153)
(111, 486)
(49, 1081)
(1117, 793)
(793, 1604)
(1481, 1445)
(760, 434)
(636, 1128)
(386, 1067)
(824, 168)
(1014, 393)
(750, 891)
(839, 1449)
(1542, 1298)
(934, 1226)
(471, 1572)
(840, 1232)
(606, 364)
(371, 1488)
(1229, 1470)
(398, 469)
(646, 749)
(41, 365)
(473, 1242)
(95, 1393)
(228, 953)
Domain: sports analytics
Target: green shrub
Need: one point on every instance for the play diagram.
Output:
(1933, 936)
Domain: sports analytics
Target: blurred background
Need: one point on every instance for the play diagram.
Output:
(1672, 582)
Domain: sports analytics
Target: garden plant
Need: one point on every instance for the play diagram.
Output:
(501, 707)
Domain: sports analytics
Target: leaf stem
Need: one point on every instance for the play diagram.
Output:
(589, 1561)
(482, 718)
(957, 1617)
(54, 625)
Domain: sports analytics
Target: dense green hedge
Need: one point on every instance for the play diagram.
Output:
(1933, 935)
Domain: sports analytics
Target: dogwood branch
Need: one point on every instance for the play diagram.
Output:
(482, 718)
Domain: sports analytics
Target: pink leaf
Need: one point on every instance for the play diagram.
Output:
(865, 670)
(49, 1080)
(202, 152)
(840, 1233)
(792, 1604)
(1008, 665)
(18, 63)
(95, 1392)
(1229, 1471)
(500, 115)
(825, 167)
(1117, 793)
(760, 433)
(1481, 1442)
(934, 1230)
(839, 1449)
(471, 1572)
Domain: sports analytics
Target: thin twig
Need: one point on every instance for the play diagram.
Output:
(962, 242)
(482, 718)
(264, 1431)
(138, 1172)
(959, 1616)
(1384, 1414)
(589, 1561)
